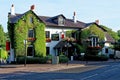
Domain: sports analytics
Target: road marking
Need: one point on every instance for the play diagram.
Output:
(110, 70)
(89, 76)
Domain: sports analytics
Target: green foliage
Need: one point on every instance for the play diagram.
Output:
(49, 57)
(70, 32)
(2, 37)
(93, 50)
(114, 34)
(18, 32)
(79, 48)
(40, 46)
(31, 60)
(63, 59)
(96, 57)
(3, 54)
(118, 33)
(92, 29)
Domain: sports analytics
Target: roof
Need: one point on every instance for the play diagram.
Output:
(109, 38)
(62, 44)
(50, 21)
(88, 24)
(15, 18)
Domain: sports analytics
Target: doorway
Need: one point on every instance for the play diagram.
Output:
(30, 50)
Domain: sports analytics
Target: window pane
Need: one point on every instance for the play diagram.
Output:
(30, 33)
(47, 34)
(55, 37)
(31, 20)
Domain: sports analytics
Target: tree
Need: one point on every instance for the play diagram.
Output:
(118, 33)
(2, 37)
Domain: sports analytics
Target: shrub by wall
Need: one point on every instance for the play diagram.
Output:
(63, 59)
(31, 60)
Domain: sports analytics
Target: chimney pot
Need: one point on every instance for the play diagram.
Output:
(74, 13)
(32, 7)
(97, 22)
(74, 17)
(12, 10)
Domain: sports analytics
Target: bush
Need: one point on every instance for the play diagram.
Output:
(63, 59)
(31, 60)
(96, 57)
(49, 59)
(111, 56)
(42, 60)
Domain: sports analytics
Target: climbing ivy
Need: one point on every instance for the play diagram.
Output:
(18, 32)
(92, 29)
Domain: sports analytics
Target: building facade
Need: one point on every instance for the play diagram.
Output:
(44, 35)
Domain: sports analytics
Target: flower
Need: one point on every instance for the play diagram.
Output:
(48, 40)
(31, 39)
(94, 47)
(69, 39)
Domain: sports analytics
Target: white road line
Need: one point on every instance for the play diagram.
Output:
(110, 70)
(89, 77)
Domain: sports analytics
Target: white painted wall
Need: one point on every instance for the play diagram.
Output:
(54, 30)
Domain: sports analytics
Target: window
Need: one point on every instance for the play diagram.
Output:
(55, 37)
(31, 20)
(31, 33)
(47, 34)
(60, 21)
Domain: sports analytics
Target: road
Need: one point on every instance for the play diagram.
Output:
(108, 71)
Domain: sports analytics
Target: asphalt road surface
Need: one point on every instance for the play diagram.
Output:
(108, 71)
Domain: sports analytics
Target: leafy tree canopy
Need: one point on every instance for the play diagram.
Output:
(2, 36)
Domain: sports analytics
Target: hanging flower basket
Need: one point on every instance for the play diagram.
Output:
(69, 39)
(48, 40)
(31, 39)
(94, 47)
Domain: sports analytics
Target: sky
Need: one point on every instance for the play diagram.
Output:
(106, 11)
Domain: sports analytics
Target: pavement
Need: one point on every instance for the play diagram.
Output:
(13, 68)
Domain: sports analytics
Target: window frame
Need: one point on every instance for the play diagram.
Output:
(31, 19)
(29, 33)
(55, 39)
(47, 34)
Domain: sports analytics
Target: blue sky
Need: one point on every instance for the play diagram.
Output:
(107, 11)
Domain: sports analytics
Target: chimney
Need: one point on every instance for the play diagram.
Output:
(74, 17)
(12, 10)
(97, 22)
(32, 7)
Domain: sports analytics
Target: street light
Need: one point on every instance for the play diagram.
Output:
(25, 55)
(67, 45)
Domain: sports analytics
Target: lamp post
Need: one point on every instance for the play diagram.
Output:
(67, 51)
(25, 55)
